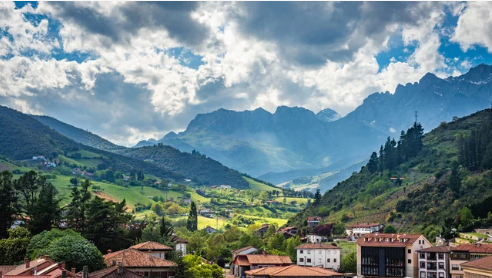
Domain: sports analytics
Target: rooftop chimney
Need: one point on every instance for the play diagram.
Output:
(27, 262)
(109, 251)
(120, 268)
(264, 252)
(85, 272)
(73, 270)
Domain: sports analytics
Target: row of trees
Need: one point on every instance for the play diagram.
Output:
(475, 150)
(394, 153)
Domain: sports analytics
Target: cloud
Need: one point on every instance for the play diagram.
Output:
(474, 26)
(247, 55)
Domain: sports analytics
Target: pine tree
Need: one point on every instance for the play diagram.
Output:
(192, 223)
(8, 203)
(317, 197)
(372, 165)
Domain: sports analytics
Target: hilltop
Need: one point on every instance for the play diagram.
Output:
(78, 135)
(441, 177)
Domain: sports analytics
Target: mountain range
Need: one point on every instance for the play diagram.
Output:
(294, 141)
(24, 136)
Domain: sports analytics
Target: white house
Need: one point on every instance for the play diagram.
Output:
(359, 230)
(312, 238)
(319, 255)
(207, 213)
(181, 244)
(224, 186)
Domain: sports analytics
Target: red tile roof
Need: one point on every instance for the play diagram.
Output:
(22, 269)
(242, 261)
(151, 245)
(483, 263)
(474, 248)
(317, 246)
(314, 218)
(112, 272)
(6, 268)
(134, 258)
(387, 240)
(242, 249)
(268, 259)
(178, 239)
(293, 271)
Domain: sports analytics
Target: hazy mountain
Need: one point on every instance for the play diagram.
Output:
(261, 143)
(328, 115)
(77, 134)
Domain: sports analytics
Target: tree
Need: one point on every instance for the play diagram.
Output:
(290, 247)
(13, 249)
(41, 241)
(105, 222)
(194, 268)
(76, 218)
(157, 209)
(390, 229)
(76, 251)
(317, 197)
(455, 178)
(349, 263)
(140, 176)
(323, 230)
(192, 223)
(39, 202)
(339, 229)
(276, 242)
(110, 175)
(8, 203)
(465, 216)
(74, 181)
(372, 165)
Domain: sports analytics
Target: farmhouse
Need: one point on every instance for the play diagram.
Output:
(207, 213)
(313, 221)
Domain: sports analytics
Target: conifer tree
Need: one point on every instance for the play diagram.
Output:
(8, 203)
(192, 223)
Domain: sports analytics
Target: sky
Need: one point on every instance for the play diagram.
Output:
(130, 71)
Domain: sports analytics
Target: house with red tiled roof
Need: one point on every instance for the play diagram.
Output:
(464, 253)
(241, 251)
(288, 232)
(434, 261)
(143, 263)
(156, 249)
(244, 263)
(389, 255)
(292, 271)
(480, 268)
(319, 255)
(43, 267)
(313, 221)
(181, 244)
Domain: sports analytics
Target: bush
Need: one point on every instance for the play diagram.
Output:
(41, 241)
(76, 251)
(13, 248)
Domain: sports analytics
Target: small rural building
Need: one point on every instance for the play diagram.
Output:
(319, 255)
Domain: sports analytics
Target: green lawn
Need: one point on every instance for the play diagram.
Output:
(278, 221)
(476, 234)
(258, 186)
(290, 199)
(347, 247)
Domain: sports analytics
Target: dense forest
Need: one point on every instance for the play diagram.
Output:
(423, 183)
(195, 166)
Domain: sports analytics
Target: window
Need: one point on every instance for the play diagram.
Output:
(301, 252)
(308, 260)
(422, 264)
(327, 260)
(409, 261)
(422, 255)
(455, 267)
(334, 260)
(409, 251)
(441, 256)
(301, 260)
(441, 274)
(422, 274)
(441, 265)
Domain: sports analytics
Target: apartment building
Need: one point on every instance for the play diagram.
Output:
(434, 262)
(319, 255)
(464, 253)
(389, 255)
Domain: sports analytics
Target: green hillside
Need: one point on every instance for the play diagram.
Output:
(78, 135)
(193, 166)
(438, 186)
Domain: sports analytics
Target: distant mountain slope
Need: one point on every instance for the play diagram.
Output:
(328, 115)
(264, 144)
(438, 182)
(193, 166)
(78, 135)
(23, 137)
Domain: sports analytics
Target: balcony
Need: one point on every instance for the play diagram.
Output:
(431, 257)
(431, 266)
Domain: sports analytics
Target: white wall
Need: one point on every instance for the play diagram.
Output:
(319, 257)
